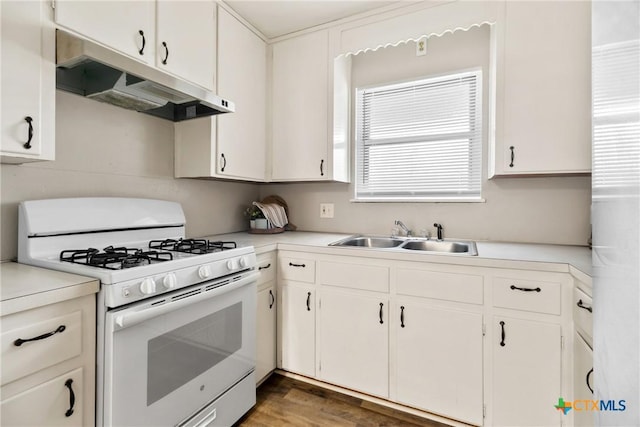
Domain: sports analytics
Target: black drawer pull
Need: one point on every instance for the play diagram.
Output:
(586, 307)
(265, 267)
(380, 313)
(166, 53)
(224, 162)
(402, 316)
(72, 398)
(273, 299)
(322, 167)
(512, 148)
(525, 289)
(297, 265)
(144, 42)
(308, 301)
(587, 379)
(503, 335)
(58, 330)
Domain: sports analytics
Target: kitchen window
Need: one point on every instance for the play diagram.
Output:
(420, 140)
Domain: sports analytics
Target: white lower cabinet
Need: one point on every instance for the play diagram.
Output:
(354, 337)
(266, 332)
(583, 416)
(298, 328)
(526, 372)
(438, 353)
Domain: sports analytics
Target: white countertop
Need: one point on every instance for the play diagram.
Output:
(556, 258)
(23, 287)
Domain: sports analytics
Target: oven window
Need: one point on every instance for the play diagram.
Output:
(180, 355)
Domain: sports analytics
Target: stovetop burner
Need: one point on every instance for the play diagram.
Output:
(191, 246)
(114, 258)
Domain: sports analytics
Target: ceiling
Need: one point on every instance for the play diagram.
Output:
(275, 18)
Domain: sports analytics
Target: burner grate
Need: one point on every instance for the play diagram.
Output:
(191, 246)
(114, 258)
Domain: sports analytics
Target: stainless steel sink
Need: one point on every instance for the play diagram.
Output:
(412, 244)
(468, 248)
(369, 242)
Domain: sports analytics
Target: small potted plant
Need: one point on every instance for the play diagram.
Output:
(256, 217)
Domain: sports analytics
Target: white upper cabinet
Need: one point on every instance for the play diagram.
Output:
(242, 78)
(299, 105)
(231, 145)
(175, 36)
(28, 82)
(186, 40)
(546, 125)
(126, 27)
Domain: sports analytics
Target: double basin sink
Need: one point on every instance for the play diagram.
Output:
(410, 244)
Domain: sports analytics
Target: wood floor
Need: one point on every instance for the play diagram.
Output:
(283, 401)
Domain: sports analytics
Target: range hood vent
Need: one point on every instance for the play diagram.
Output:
(88, 69)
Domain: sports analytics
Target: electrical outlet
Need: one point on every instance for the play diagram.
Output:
(421, 47)
(326, 210)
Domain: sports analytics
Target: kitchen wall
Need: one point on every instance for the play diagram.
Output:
(102, 150)
(538, 210)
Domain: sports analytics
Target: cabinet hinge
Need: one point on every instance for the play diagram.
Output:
(484, 329)
(484, 410)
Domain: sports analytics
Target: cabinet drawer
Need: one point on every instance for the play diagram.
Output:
(40, 344)
(365, 277)
(297, 269)
(440, 285)
(267, 267)
(47, 404)
(527, 295)
(582, 313)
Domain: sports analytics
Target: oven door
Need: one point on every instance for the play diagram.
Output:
(169, 356)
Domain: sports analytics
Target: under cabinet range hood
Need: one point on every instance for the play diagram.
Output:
(94, 71)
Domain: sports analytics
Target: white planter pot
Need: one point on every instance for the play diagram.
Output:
(261, 223)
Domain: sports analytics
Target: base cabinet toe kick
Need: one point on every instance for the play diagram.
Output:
(478, 345)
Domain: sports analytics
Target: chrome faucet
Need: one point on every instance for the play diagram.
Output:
(404, 227)
(439, 227)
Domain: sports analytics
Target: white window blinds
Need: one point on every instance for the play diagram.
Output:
(616, 117)
(420, 140)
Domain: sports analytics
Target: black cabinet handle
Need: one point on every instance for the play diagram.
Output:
(144, 42)
(58, 330)
(273, 299)
(513, 288)
(380, 314)
(308, 301)
(224, 162)
(587, 379)
(586, 307)
(297, 265)
(265, 267)
(166, 53)
(29, 121)
(502, 344)
(513, 155)
(322, 167)
(72, 398)
(402, 316)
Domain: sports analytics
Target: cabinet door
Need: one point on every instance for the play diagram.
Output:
(57, 402)
(186, 40)
(299, 108)
(354, 332)
(298, 328)
(547, 113)
(266, 333)
(526, 372)
(114, 24)
(242, 71)
(439, 360)
(28, 82)
(582, 381)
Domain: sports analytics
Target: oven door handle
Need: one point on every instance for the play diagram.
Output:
(129, 317)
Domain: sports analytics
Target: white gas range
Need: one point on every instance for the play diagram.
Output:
(176, 316)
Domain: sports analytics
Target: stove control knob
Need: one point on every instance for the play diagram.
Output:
(170, 281)
(243, 262)
(148, 286)
(204, 272)
(231, 265)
